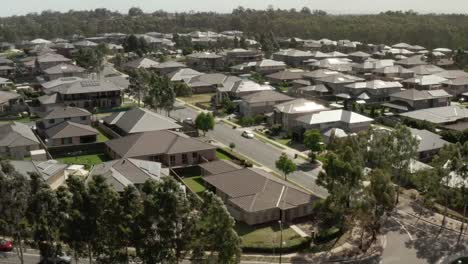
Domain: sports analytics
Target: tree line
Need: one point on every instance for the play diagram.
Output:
(429, 30)
(156, 223)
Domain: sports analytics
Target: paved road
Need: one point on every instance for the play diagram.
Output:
(261, 152)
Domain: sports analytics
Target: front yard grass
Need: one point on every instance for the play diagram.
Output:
(87, 160)
(222, 156)
(195, 184)
(267, 236)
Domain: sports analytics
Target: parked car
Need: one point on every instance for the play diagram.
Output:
(248, 134)
(6, 245)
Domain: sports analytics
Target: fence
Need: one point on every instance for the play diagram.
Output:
(77, 150)
(107, 130)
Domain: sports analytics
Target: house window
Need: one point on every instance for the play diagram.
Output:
(52, 121)
(67, 118)
(66, 141)
(184, 158)
(172, 160)
(194, 155)
(83, 118)
(157, 158)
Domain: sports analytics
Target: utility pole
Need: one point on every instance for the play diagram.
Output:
(280, 221)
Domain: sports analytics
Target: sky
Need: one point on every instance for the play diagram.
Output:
(20, 7)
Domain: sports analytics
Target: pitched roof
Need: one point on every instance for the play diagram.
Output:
(428, 140)
(416, 95)
(269, 63)
(393, 69)
(141, 63)
(204, 55)
(64, 68)
(170, 64)
(86, 86)
(248, 86)
(285, 75)
(426, 80)
(360, 54)
(60, 82)
(16, 134)
(48, 99)
(426, 69)
(66, 111)
(374, 84)
(70, 129)
(140, 120)
(52, 57)
(46, 168)
(452, 74)
(439, 115)
(207, 79)
(457, 82)
(412, 61)
(6, 96)
(261, 191)
(219, 166)
(124, 172)
(265, 96)
(294, 53)
(300, 105)
(340, 78)
(181, 74)
(315, 88)
(156, 142)
(317, 74)
(330, 116)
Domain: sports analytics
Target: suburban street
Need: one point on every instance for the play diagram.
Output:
(263, 153)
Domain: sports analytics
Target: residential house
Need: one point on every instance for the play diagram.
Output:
(169, 66)
(428, 69)
(313, 76)
(85, 44)
(412, 99)
(123, 173)
(456, 87)
(448, 116)
(84, 93)
(366, 68)
(255, 197)
(64, 126)
(208, 83)
(260, 103)
(138, 120)
(424, 82)
(412, 61)
(49, 60)
(182, 74)
(11, 102)
(429, 143)
(7, 67)
(168, 147)
(284, 76)
(323, 121)
(238, 56)
(64, 70)
(359, 56)
(285, 114)
(374, 91)
(204, 61)
(292, 57)
(337, 82)
(17, 140)
(141, 63)
(393, 73)
(52, 171)
(265, 66)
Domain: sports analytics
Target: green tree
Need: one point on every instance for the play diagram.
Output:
(181, 89)
(135, 11)
(403, 149)
(285, 165)
(215, 232)
(138, 84)
(205, 122)
(89, 59)
(313, 142)
(14, 194)
(232, 146)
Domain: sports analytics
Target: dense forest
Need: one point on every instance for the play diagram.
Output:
(429, 30)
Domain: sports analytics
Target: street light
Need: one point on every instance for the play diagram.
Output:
(281, 239)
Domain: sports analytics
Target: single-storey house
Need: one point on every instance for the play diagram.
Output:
(169, 66)
(429, 143)
(138, 120)
(128, 172)
(17, 140)
(292, 57)
(168, 147)
(413, 99)
(52, 171)
(447, 115)
(260, 103)
(255, 197)
(204, 61)
(64, 70)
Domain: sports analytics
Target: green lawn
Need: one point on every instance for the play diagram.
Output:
(195, 184)
(26, 119)
(101, 136)
(267, 236)
(87, 160)
(283, 141)
(222, 156)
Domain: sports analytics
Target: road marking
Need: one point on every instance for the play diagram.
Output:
(404, 228)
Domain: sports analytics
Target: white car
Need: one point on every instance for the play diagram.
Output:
(248, 134)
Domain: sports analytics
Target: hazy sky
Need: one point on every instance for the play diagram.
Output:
(18, 7)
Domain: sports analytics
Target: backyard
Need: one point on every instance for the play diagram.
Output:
(87, 160)
(195, 184)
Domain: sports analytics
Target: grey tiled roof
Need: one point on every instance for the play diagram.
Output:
(70, 129)
(64, 68)
(156, 142)
(439, 115)
(140, 120)
(266, 96)
(16, 134)
(66, 111)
